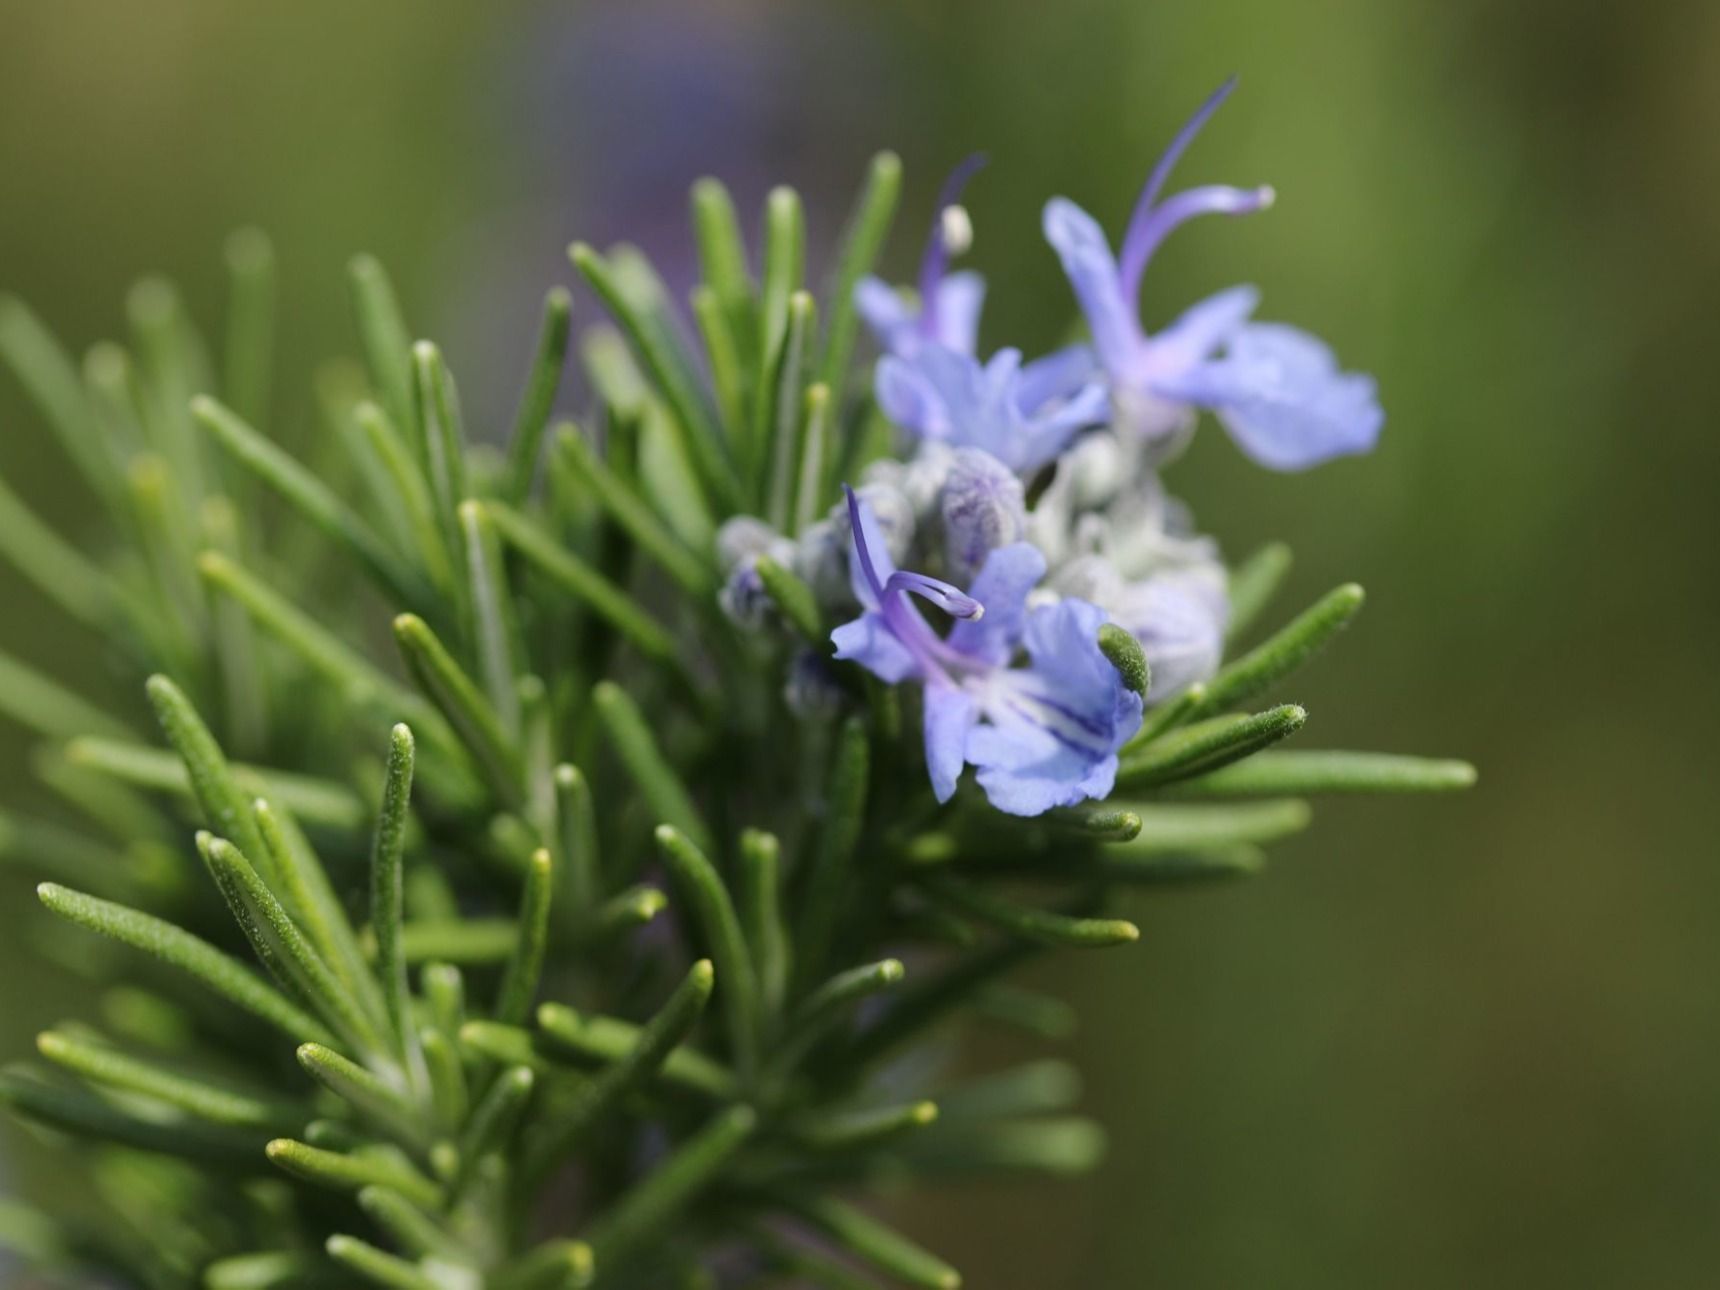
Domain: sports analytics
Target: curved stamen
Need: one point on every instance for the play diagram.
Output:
(1173, 154)
(941, 594)
(893, 605)
(935, 261)
(861, 550)
(1215, 199)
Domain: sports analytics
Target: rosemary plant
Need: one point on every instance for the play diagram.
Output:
(592, 929)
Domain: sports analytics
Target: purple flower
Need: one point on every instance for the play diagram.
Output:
(1277, 391)
(1041, 735)
(930, 380)
(1023, 416)
(947, 313)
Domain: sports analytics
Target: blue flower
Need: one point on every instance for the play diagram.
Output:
(1277, 391)
(930, 381)
(1041, 735)
(947, 312)
(1022, 415)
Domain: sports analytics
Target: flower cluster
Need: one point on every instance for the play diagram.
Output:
(1017, 687)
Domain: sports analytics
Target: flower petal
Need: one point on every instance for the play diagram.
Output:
(869, 642)
(1010, 572)
(1087, 260)
(949, 716)
(1280, 395)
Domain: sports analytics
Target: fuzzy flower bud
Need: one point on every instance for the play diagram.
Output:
(983, 506)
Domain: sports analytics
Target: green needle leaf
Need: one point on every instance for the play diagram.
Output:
(1102, 821)
(794, 599)
(1208, 745)
(310, 897)
(250, 323)
(761, 916)
(358, 679)
(373, 1099)
(659, 784)
(520, 981)
(223, 974)
(461, 940)
(1182, 828)
(404, 493)
(441, 440)
(51, 381)
(555, 1265)
(1331, 772)
(785, 429)
(387, 342)
(887, 1250)
(578, 861)
(627, 910)
(697, 435)
(282, 947)
(409, 1227)
(850, 1130)
(446, 1073)
(722, 250)
(1039, 925)
(591, 1039)
(728, 377)
(80, 1113)
(708, 898)
(864, 237)
(387, 881)
(312, 498)
(220, 1105)
(350, 1173)
(490, 1128)
(652, 1203)
(632, 513)
(1253, 584)
(226, 807)
(319, 801)
(446, 685)
(495, 632)
(53, 566)
(264, 1270)
(538, 400)
(378, 1267)
(829, 874)
(1281, 655)
(574, 576)
(48, 708)
(644, 1058)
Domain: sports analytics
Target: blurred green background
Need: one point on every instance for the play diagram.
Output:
(1472, 1041)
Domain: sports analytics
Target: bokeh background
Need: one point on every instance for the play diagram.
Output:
(1471, 1041)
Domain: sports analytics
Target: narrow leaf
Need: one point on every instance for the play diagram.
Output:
(861, 241)
(703, 888)
(349, 1173)
(1331, 772)
(659, 784)
(538, 399)
(312, 498)
(1253, 583)
(220, 1105)
(650, 1049)
(887, 1250)
(446, 685)
(1284, 652)
(1207, 746)
(223, 974)
(520, 981)
(652, 1203)
(1040, 925)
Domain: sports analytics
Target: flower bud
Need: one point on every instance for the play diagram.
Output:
(983, 507)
